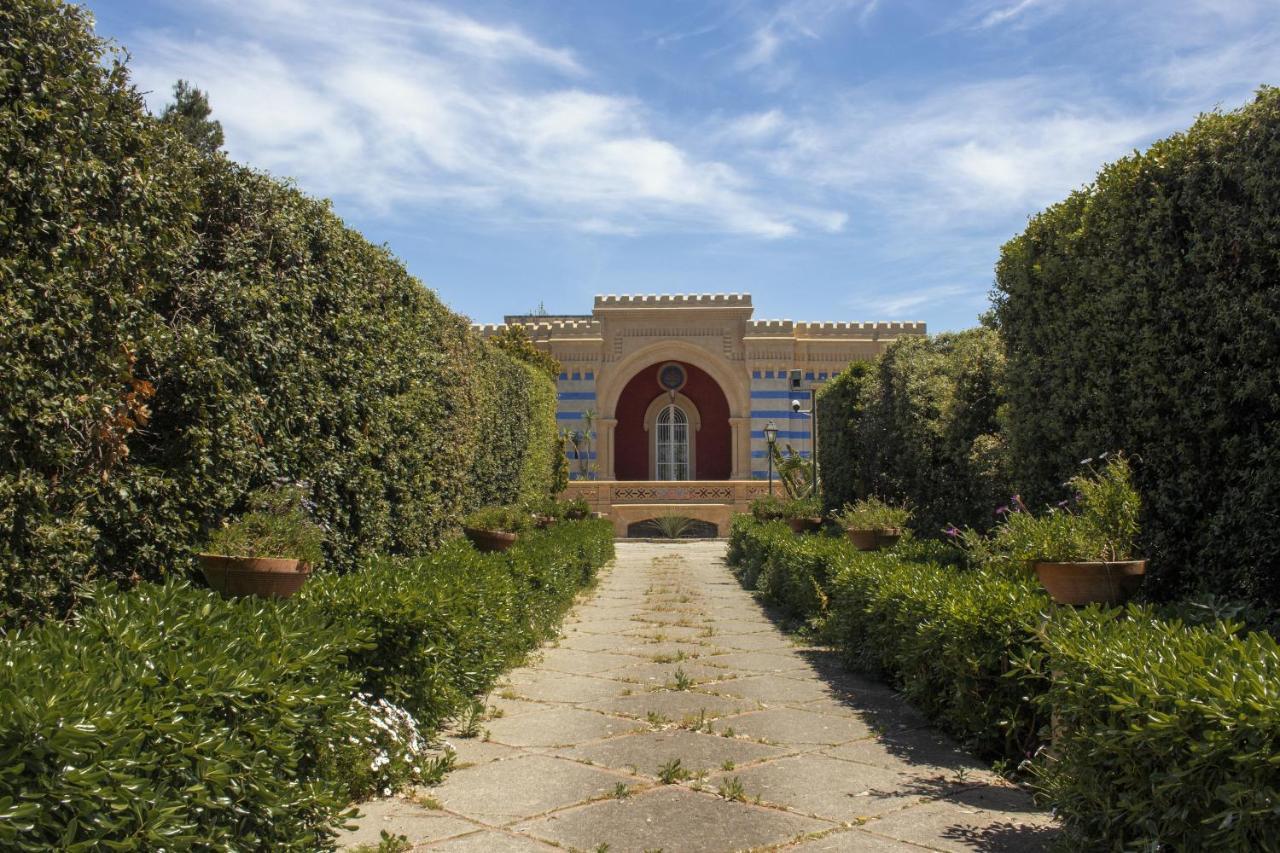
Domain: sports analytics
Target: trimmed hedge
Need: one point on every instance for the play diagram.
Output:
(167, 718)
(179, 330)
(1165, 735)
(446, 625)
(920, 424)
(941, 634)
(1141, 314)
(1168, 735)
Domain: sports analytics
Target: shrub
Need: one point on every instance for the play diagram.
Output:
(1164, 734)
(500, 519)
(1139, 313)
(768, 508)
(921, 426)
(444, 626)
(167, 718)
(873, 514)
(1167, 735)
(940, 634)
(1102, 525)
(241, 323)
(277, 525)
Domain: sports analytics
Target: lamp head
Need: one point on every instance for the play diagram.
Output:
(771, 432)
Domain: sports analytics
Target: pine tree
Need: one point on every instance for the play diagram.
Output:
(189, 113)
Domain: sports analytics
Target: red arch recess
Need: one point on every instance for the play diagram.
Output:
(712, 458)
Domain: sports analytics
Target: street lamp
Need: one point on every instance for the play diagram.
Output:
(771, 436)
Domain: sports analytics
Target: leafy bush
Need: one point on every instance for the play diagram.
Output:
(1167, 735)
(920, 425)
(1140, 313)
(1101, 526)
(772, 507)
(873, 514)
(574, 509)
(500, 519)
(241, 323)
(941, 635)
(444, 626)
(278, 524)
(1164, 735)
(167, 718)
(768, 508)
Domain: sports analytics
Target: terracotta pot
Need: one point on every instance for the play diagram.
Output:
(490, 540)
(804, 525)
(265, 577)
(1090, 583)
(543, 521)
(888, 537)
(863, 540)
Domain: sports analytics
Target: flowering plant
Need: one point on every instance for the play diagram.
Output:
(1099, 523)
(278, 524)
(873, 514)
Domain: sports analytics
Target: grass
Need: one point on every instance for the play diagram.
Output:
(732, 790)
(681, 679)
(672, 772)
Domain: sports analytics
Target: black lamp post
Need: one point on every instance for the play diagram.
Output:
(770, 435)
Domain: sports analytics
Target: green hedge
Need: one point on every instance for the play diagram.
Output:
(167, 718)
(446, 625)
(1166, 734)
(941, 634)
(179, 330)
(1140, 314)
(920, 424)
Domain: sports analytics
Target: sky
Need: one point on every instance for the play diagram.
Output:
(857, 160)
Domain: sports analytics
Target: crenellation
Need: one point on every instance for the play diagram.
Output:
(674, 300)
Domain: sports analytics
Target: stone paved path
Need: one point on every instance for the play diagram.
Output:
(674, 716)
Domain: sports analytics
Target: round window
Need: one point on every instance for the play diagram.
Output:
(671, 377)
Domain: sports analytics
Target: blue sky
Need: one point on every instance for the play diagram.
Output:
(838, 159)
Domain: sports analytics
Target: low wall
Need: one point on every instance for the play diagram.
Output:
(625, 502)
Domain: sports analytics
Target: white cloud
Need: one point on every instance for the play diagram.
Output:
(391, 104)
(797, 20)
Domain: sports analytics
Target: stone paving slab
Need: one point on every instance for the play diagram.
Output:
(502, 792)
(646, 753)
(558, 727)
(675, 705)
(798, 727)
(671, 818)
(399, 816)
(836, 760)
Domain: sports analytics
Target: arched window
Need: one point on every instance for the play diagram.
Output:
(671, 443)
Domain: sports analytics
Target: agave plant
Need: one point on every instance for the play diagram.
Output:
(672, 526)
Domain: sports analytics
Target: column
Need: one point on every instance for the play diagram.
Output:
(604, 444)
(740, 429)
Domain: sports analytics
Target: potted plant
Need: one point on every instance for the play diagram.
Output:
(872, 524)
(496, 528)
(270, 550)
(804, 514)
(1082, 550)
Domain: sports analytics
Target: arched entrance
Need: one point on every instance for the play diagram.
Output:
(672, 424)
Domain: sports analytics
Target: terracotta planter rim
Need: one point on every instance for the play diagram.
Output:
(255, 564)
(497, 534)
(1089, 563)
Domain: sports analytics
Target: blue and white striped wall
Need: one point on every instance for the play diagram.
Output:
(771, 397)
(575, 394)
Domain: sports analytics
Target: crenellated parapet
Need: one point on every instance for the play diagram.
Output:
(546, 331)
(674, 300)
(839, 331)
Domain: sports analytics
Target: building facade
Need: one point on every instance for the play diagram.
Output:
(677, 389)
